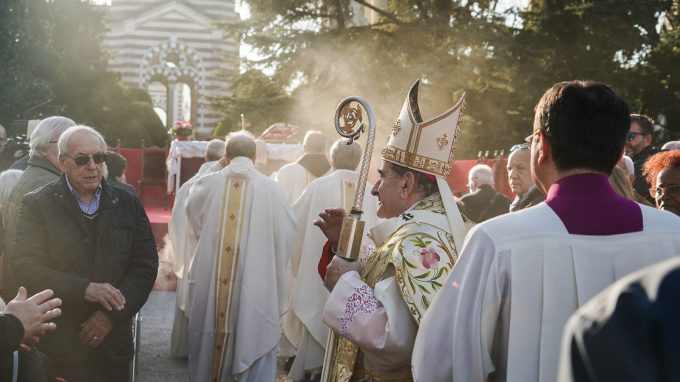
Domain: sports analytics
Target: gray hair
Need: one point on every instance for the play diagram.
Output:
(2, 128)
(46, 129)
(482, 173)
(215, 149)
(241, 144)
(344, 156)
(314, 142)
(66, 136)
(8, 179)
(627, 164)
(671, 145)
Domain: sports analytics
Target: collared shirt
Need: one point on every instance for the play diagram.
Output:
(88, 209)
(588, 205)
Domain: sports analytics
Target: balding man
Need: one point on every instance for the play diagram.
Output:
(92, 244)
(214, 155)
(303, 325)
(294, 177)
(671, 145)
(237, 281)
(483, 202)
(519, 178)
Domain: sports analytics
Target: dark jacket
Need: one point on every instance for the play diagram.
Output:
(530, 199)
(56, 247)
(485, 203)
(40, 172)
(640, 184)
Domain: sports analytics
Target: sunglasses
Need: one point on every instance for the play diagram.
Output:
(671, 190)
(631, 135)
(82, 160)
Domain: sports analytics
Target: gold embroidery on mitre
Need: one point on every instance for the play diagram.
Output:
(442, 141)
(414, 161)
(397, 127)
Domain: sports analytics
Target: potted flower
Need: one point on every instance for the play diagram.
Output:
(182, 130)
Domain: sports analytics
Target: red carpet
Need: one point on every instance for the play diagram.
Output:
(159, 218)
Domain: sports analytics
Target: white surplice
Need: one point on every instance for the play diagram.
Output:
(260, 290)
(293, 179)
(183, 244)
(528, 260)
(303, 326)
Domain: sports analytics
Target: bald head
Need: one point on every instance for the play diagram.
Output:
(314, 142)
(240, 145)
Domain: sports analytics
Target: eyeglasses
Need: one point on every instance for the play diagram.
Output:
(82, 160)
(631, 135)
(672, 190)
(520, 146)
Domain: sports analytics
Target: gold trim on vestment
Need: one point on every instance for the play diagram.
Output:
(226, 267)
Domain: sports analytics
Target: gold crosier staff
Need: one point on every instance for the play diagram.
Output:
(347, 117)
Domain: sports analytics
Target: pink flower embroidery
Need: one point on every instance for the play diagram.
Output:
(361, 301)
(429, 258)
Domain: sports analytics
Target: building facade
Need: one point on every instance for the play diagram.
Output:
(174, 50)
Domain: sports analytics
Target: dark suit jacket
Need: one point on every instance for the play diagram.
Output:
(485, 203)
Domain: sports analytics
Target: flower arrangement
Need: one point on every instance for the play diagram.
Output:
(181, 128)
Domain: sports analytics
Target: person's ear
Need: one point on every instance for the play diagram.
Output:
(62, 162)
(544, 150)
(407, 184)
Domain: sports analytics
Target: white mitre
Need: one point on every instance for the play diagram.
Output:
(428, 147)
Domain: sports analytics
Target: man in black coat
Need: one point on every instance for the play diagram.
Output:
(92, 244)
(483, 202)
(639, 148)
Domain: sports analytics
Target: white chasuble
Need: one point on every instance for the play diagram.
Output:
(376, 311)
(293, 179)
(303, 326)
(502, 310)
(237, 280)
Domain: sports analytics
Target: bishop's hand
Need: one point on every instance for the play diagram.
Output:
(331, 224)
(336, 269)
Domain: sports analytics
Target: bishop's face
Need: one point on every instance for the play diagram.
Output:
(387, 189)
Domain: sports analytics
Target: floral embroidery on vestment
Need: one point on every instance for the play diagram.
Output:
(361, 301)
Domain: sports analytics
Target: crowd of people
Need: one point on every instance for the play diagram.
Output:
(570, 281)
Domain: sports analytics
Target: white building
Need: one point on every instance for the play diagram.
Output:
(173, 49)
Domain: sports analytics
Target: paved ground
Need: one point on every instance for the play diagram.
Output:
(154, 363)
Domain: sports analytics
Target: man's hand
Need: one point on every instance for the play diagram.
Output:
(336, 269)
(331, 224)
(35, 313)
(95, 329)
(105, 294)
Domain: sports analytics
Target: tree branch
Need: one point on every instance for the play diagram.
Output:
(380, 11)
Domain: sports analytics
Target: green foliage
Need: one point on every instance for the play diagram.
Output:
(317, 49)
(53, 63)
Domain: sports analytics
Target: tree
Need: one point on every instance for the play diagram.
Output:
(54, 63)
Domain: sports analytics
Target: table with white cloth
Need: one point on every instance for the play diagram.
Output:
(179, 150)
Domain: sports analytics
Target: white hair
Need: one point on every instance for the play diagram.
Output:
(2, 128)
(671, 145)
(46, 129)
(314, 142)
(66, 136)
(627, 164)
(8, 179)
(482, 174)
(215, 149)
(344, 156)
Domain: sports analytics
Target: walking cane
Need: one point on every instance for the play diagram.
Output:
(349, 124)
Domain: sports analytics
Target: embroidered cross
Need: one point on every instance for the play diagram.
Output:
(237, 185)
(232, 217)
(221, 314)
(406, 216)
(397, 127)
(225, 281)
(442, 141)
(228, 249)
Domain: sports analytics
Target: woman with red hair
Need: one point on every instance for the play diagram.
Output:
(662, 171)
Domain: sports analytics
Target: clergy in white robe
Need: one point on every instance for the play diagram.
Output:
(303, 326)
(237, 280)
(502, 310)
(294, 177)
(376, 303)
(183, 244)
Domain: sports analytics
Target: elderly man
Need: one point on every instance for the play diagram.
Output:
(43, 168)
(628, 167)
(483, 202)
(663, 173)
(639, 147)
(501, 312)
(303, 325)
(294, 177)
(214, 157)
(376, 303)
(92, 244)
(519, 178)
(671, 145)
(237, 280)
